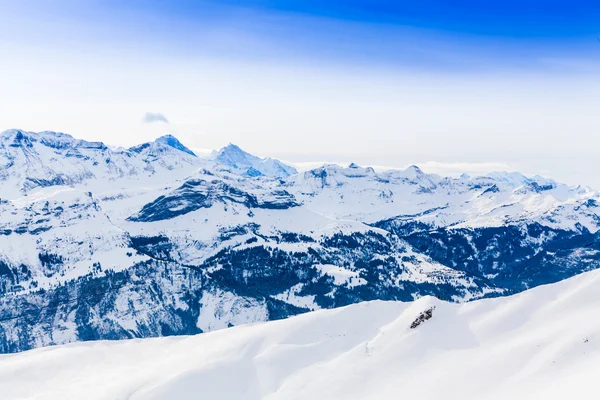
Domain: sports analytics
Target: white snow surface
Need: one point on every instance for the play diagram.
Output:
(341, 275)
(540, 344)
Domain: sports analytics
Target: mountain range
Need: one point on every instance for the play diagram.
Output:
(99, 242)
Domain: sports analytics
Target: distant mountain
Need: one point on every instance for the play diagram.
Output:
(29, 161)
(98, 243)
(172, 141)
(251, 165)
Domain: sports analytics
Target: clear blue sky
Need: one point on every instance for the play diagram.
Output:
(455, 84)
(426, 34)
(524, 18)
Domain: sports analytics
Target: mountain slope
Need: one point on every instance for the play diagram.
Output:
(543, 343)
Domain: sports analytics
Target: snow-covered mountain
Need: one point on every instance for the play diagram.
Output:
(540, 344)
(172, 141)
(29, 161)
(102, 243)
(251, 165)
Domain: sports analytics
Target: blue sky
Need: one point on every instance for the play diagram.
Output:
(509, 18)
(458, 35)
(450, 84)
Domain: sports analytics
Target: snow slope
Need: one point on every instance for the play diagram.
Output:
(540, 344)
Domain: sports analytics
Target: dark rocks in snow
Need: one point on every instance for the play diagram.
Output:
(424, 316)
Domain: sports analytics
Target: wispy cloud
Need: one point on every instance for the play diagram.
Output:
(151, 117)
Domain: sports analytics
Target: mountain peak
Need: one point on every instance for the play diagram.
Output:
(415, 173)
(232, 147)
(415, 169)
(10, 132)
(233, 156)
(251, 165)
(172, 141)
(17, 136)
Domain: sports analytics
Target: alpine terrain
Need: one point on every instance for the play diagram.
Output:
(99, 242)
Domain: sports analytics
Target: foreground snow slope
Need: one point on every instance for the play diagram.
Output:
(542, 343)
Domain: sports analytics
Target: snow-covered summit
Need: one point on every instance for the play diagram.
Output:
(172, 141)
(251, 165)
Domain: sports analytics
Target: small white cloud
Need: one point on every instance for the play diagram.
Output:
(154, 117)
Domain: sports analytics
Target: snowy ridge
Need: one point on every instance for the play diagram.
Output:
(542, 343)
(29, 161)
